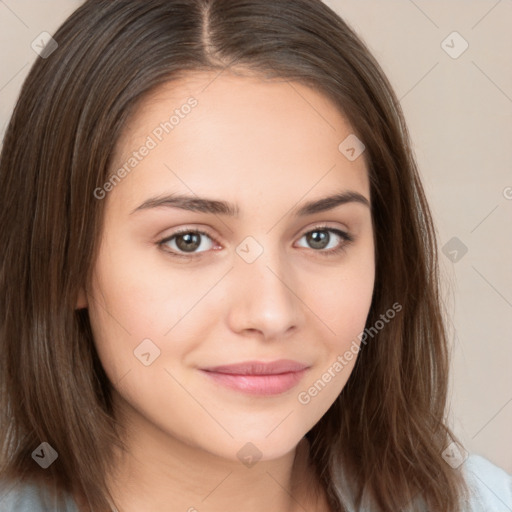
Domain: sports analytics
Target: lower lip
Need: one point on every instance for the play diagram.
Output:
(258, 384)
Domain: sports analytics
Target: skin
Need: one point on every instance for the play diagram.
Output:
(268, 147)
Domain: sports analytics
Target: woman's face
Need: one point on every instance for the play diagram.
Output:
(266, 279)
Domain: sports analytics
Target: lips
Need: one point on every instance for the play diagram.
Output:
(258, 378)
(259, 368)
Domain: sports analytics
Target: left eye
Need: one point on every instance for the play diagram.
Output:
(320, 238)
(189, 242)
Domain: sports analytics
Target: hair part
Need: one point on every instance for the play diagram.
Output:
(387, 428)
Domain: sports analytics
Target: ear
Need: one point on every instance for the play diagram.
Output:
(82, 302)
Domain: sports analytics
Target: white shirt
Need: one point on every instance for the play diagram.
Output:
(490, 486)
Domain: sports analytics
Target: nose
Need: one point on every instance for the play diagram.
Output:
(265, 297)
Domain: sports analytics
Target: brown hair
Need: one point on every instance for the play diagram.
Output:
(387, 428)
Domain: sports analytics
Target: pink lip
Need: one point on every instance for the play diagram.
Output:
(259, 378)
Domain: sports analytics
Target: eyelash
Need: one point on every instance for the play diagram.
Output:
(346, 237)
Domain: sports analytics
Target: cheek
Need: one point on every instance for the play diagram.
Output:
(342, 299)
(133, 294)
(133, 300)
(344, 308)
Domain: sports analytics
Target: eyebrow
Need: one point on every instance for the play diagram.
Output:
(214, 206)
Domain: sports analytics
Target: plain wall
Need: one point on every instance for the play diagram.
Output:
(459, 113)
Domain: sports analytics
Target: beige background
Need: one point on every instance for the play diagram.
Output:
(459, 112)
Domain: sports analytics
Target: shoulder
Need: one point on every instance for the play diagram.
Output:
(29, 497)
(490, 486)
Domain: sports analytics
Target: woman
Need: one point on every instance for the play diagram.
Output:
(219, 279)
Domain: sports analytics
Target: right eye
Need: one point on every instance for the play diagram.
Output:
(185, 242)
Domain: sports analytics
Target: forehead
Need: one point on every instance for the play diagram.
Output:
(242, 130)
(247, 100)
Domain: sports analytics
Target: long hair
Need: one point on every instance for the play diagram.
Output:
(388, 428)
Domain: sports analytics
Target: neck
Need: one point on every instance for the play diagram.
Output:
(159, 472)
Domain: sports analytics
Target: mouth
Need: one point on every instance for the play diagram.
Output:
(259, 378)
